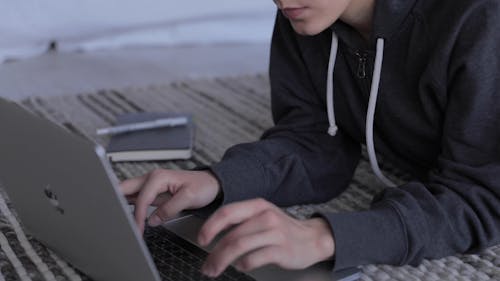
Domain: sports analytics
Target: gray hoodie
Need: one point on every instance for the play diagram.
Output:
(436, 91)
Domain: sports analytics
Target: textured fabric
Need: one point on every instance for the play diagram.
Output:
(226, 111)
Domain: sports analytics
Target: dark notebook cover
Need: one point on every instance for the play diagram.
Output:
(162, 143)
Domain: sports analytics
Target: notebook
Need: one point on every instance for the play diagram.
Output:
(165, 143)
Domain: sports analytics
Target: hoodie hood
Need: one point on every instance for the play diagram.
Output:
(388, 17)
(387, 20)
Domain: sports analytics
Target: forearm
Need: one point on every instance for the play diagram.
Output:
(365, 237)
(285, 171)
(413, 222)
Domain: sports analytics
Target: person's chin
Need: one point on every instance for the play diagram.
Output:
(307, 29)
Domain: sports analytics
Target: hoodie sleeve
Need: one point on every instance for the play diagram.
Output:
(296, 161)
(457, 209)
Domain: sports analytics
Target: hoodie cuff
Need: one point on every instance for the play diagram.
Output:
(240, 178)
(376, 236)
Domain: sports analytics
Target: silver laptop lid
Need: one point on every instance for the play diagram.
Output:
(69, 207)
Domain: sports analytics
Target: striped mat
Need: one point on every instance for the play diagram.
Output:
(226, 111)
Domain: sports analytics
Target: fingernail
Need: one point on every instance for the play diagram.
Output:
(237, 266)
(154, 221)
(209, 271)
(201, 240)
(205, 270)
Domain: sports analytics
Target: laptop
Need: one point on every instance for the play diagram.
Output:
(67, 196)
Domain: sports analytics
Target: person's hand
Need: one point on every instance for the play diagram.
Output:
(264, 235)
(172, 191)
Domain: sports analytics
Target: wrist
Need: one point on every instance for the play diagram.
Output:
(324, 242)
(212, 181)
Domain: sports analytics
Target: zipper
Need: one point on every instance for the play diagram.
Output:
(362, 58)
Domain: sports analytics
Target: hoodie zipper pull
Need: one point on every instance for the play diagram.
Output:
(361, 65)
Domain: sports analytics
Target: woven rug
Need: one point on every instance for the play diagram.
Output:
(226, 111)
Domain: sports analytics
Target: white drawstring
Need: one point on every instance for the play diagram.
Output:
(332, 129)
(370, 115)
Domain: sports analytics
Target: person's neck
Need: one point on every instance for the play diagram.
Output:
(359, 15)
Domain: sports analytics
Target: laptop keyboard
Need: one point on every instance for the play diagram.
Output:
(179, 260)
